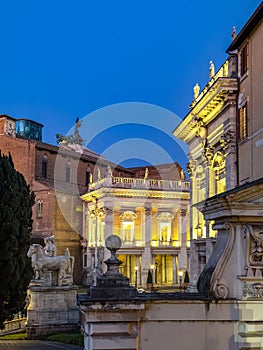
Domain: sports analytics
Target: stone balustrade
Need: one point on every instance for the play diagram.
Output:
(129, 182)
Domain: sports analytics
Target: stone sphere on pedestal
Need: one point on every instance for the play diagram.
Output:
(113, 243)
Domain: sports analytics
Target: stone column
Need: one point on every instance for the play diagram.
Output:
(138, 264)
(174, 269)
(147, 256)
(183, 229)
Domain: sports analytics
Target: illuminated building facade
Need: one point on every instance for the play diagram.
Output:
(224, 132)
(149, 213)
(209, 129)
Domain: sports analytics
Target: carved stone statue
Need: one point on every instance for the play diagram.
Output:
(109, 171)
(196, 91)
(182, 174)
(50, 248)
(146, 173)
(234, 33)
(211, 70)
(72, 139)
(51, 270)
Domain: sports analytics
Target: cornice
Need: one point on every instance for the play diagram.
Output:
(134, 193)
(212, 101)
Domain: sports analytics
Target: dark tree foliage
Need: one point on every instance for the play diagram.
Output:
(16, 203)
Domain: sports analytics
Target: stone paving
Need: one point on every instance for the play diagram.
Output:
(35, 345)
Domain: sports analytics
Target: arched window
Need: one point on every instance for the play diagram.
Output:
(39, 208)
(165, 227)
(44, 166)
(68, 171)
(127, 227)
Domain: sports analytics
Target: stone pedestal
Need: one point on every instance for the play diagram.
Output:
(51, 310)
(111, 325)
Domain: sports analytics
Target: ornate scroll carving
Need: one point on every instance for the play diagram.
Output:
(210, 281)
(227, 141)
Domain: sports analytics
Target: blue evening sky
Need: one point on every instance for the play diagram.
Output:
(66, 59)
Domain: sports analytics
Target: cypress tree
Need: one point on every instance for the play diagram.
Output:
(16, 201)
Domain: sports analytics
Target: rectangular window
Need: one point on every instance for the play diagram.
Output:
(67, 174)
(87, 180)
(44, 168)
(243, 60)
(243, 128)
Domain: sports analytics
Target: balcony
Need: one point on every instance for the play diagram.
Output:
(133, 183)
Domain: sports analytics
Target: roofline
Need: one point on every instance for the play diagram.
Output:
(29, 120)
(251, 24)
(7, 116)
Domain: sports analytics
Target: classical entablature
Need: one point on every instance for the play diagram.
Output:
(133, 193)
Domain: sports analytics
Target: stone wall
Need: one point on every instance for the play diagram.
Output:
(172, 324)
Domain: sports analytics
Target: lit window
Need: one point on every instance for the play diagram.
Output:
(243, 127)
(44, 166)
(165, 231)
(165, 228)
(127, 226)
(39, 208)
(243, 60)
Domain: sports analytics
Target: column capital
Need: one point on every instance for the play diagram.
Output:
(183, 212)
(148, 211)
(108, 210)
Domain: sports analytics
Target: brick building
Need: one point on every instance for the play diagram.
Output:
(58, 176)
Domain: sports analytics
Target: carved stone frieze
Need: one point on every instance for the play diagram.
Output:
(191, 167)
(227, 141)
(209, 154)
(254, 249)
(252, 290)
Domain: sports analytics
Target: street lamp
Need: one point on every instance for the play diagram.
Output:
(136, 275)
(97, 213)
(180, 273)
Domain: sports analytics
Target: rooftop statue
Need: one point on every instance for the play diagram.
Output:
(72, 139)
(196, 91)
(234, 33)
(211, 70)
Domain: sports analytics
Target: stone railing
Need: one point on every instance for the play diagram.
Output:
(14, 326)
(129, 182)
(165, 244)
